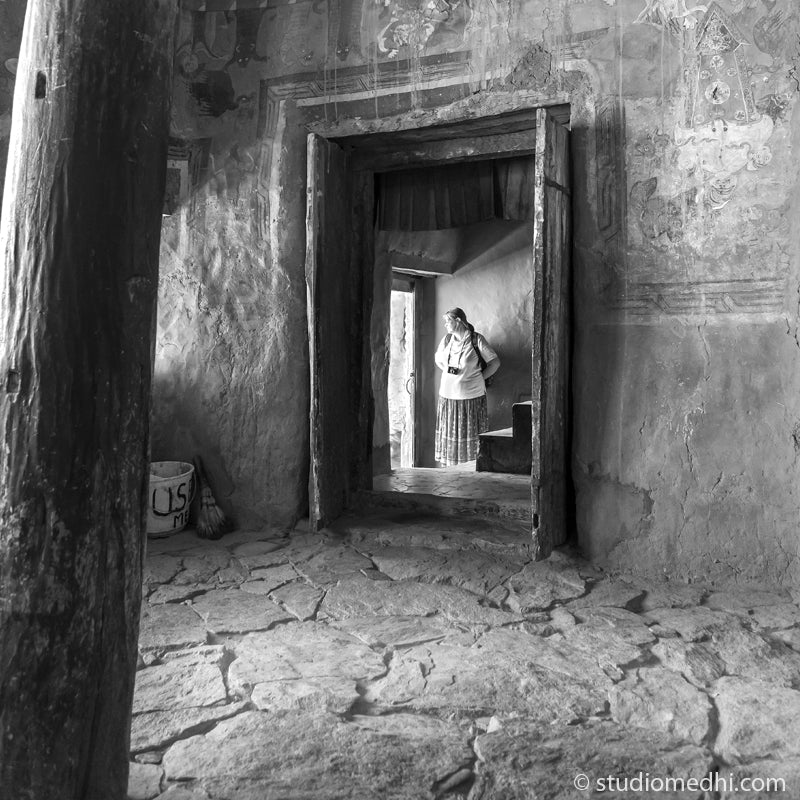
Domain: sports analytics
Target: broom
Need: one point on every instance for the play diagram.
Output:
(211, 521)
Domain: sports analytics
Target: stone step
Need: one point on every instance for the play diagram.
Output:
(499, 451)
(521, 422)
(501, 433)
(507, 509)
(508, 449)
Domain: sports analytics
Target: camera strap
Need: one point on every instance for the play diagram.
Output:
(474, 339)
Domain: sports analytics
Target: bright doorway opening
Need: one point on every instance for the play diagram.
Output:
(402, 374)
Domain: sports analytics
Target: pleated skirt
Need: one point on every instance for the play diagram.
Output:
(458, 423)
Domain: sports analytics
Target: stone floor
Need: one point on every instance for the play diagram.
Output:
(453, 490)
(460, 481)
(404, 657)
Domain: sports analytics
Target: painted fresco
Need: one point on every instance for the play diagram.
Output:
(411, 26)
(705, 167)
(221, 56)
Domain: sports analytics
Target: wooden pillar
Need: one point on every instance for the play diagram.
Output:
(79, 242)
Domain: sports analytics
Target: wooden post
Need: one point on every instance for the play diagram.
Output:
(79, 242)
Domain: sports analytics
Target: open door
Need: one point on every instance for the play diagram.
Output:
(551, 327)
(339, 242)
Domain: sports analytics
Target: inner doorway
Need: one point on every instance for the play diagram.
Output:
(339, 259)
(401, 390)
(485, 269)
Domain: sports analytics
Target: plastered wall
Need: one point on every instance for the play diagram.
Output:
(686, 357)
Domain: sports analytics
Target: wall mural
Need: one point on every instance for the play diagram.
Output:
(402, 29)
(410, 25)
(704, 183)
(221, 56)
(671, 14)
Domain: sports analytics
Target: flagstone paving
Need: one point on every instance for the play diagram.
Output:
(404, 657)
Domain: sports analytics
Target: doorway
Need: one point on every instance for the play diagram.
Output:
(340, 248)
(401, 379)
(485, 269)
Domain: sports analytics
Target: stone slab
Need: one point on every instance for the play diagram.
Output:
(474, 570)
(399, 631)
(693, 624)
(540, 585)
(184, 792)
(271, 558)
(789, 637)
(202, 568)
(762, 780)
(299, 599)
(756, 720)
(359, 597)
(156, 729)
(201, 654)
(169, 625)
(612, 592)
(657, 699)
(179, 592)
(259, 548)
(144, 781)
(160, 568)
(400, 528)
(524, 760)
(233, 574)
(326, 568)
(776, 617)
(751, 656)
(504, 672)
(178, 684)
(672, 594)
(624, 625)
(316, 755)
(235, 611)
(302, 650)
(274, 576)
(336, 695)
(743, 599)
(601, 643)
(696, 661)
(261, 588)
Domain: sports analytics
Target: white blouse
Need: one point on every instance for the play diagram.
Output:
(467, 383)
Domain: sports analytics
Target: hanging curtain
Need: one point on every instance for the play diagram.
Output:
(454, 195)
(513, 182)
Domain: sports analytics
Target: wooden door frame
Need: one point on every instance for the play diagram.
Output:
(467, 139)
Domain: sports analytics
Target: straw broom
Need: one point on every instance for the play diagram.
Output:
(211, 521)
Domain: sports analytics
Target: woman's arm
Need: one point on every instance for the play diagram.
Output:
(440, 357)
(489, 356)
(491, 367)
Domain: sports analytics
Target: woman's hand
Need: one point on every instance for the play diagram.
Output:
(491, 367)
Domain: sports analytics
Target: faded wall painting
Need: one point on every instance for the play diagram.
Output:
(221, 55)
(705, 165)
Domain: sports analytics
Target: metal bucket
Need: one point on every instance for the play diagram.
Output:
(172, 487)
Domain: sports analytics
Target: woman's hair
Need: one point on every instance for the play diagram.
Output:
(458, 313)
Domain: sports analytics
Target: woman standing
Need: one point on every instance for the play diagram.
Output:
(461, 414)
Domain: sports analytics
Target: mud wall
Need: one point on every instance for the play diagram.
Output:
(685, 193)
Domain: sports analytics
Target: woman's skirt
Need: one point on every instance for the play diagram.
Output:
(458, 423)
